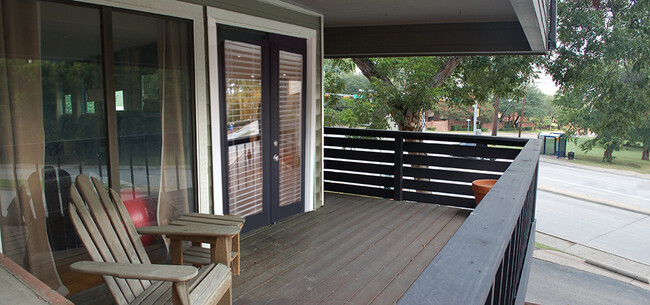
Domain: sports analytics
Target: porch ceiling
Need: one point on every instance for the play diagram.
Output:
(431, 27)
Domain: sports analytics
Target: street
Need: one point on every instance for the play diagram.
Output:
(613, 230)
(596, 183)
(556, 284)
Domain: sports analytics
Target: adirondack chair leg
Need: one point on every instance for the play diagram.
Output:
(177, 251)
(220, 252)
(180, 293)
(226, 299)
(236, 262)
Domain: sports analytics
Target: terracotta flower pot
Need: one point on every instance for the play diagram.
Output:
(481, 187)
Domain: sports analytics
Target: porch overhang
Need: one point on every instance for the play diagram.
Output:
(373, 28)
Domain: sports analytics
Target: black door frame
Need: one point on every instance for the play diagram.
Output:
(271, 44)
(297, 46)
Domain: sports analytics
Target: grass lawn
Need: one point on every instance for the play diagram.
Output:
(628, 158)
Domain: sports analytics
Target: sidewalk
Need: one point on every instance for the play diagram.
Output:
(591, 260)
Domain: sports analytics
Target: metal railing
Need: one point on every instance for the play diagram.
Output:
(487, 261)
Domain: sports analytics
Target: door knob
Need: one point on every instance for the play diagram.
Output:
(276, 158)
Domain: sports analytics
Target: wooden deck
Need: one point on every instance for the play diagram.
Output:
(354, 250)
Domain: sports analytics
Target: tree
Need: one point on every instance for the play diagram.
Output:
(408, 85)
(350, 112)
(601, 65)
(497, 77)
(539, 107)
(642, 134)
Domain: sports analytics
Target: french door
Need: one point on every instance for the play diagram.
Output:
(263, 93)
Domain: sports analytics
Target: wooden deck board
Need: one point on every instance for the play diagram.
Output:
(321, 252)
(355, 249)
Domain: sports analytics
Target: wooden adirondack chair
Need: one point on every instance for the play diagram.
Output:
(105, 228)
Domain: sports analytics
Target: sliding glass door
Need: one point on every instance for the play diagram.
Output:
(87, 89)
(263, 92)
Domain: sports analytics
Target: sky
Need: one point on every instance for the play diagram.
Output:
(545, 83)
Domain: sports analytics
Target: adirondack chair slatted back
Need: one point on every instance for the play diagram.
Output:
(108, 233)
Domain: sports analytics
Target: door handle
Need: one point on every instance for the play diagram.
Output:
(276, 158)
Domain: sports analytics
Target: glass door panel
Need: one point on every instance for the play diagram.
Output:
(290, 129)
(153, 104)
(243, 97)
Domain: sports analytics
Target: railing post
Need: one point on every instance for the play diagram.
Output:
(399, 166)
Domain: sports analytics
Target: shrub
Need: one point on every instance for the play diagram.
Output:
(456, 127)
(432, 128)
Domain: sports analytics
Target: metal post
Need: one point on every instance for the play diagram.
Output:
(475, 114)
(398, 170)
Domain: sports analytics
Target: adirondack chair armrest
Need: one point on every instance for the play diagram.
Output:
(170, 273)
(202, 230)
(232, 218)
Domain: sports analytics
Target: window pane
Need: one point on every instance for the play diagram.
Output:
(57, 129)
(243, 68)
(74, 137)
(153, 97)
(290, 75)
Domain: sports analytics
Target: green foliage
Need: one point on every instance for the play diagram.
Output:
(354, 83)
(539, 106)
(349, 112)
(457, 127)
(411, 90)
(433, 128)
(485, 77)
(404, 87)
(602, 67)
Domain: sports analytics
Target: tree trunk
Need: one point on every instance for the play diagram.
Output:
(413, 122)
(644, 155)
(523, 103)
(607, 156)
(495, 123)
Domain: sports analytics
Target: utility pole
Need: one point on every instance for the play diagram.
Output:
(523, 103)
(475, 114)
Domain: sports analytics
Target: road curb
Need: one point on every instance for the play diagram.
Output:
(617, 270)
(600, 201)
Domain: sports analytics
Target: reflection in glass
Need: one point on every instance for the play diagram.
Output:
(291, 96)
(243, 77)
(153, 104)
(53, 128)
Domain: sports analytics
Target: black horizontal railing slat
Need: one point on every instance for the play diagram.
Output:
(462, 150)
(360, 179)
(464, 163)
(439, 199)
(489, 256)
(452, 188)
(359, 190)
(359, 155)
(359, 143)
(450, 175)
(506, 141)
(359, 167)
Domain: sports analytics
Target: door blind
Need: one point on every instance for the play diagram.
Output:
(243, 76)
(291, 66)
